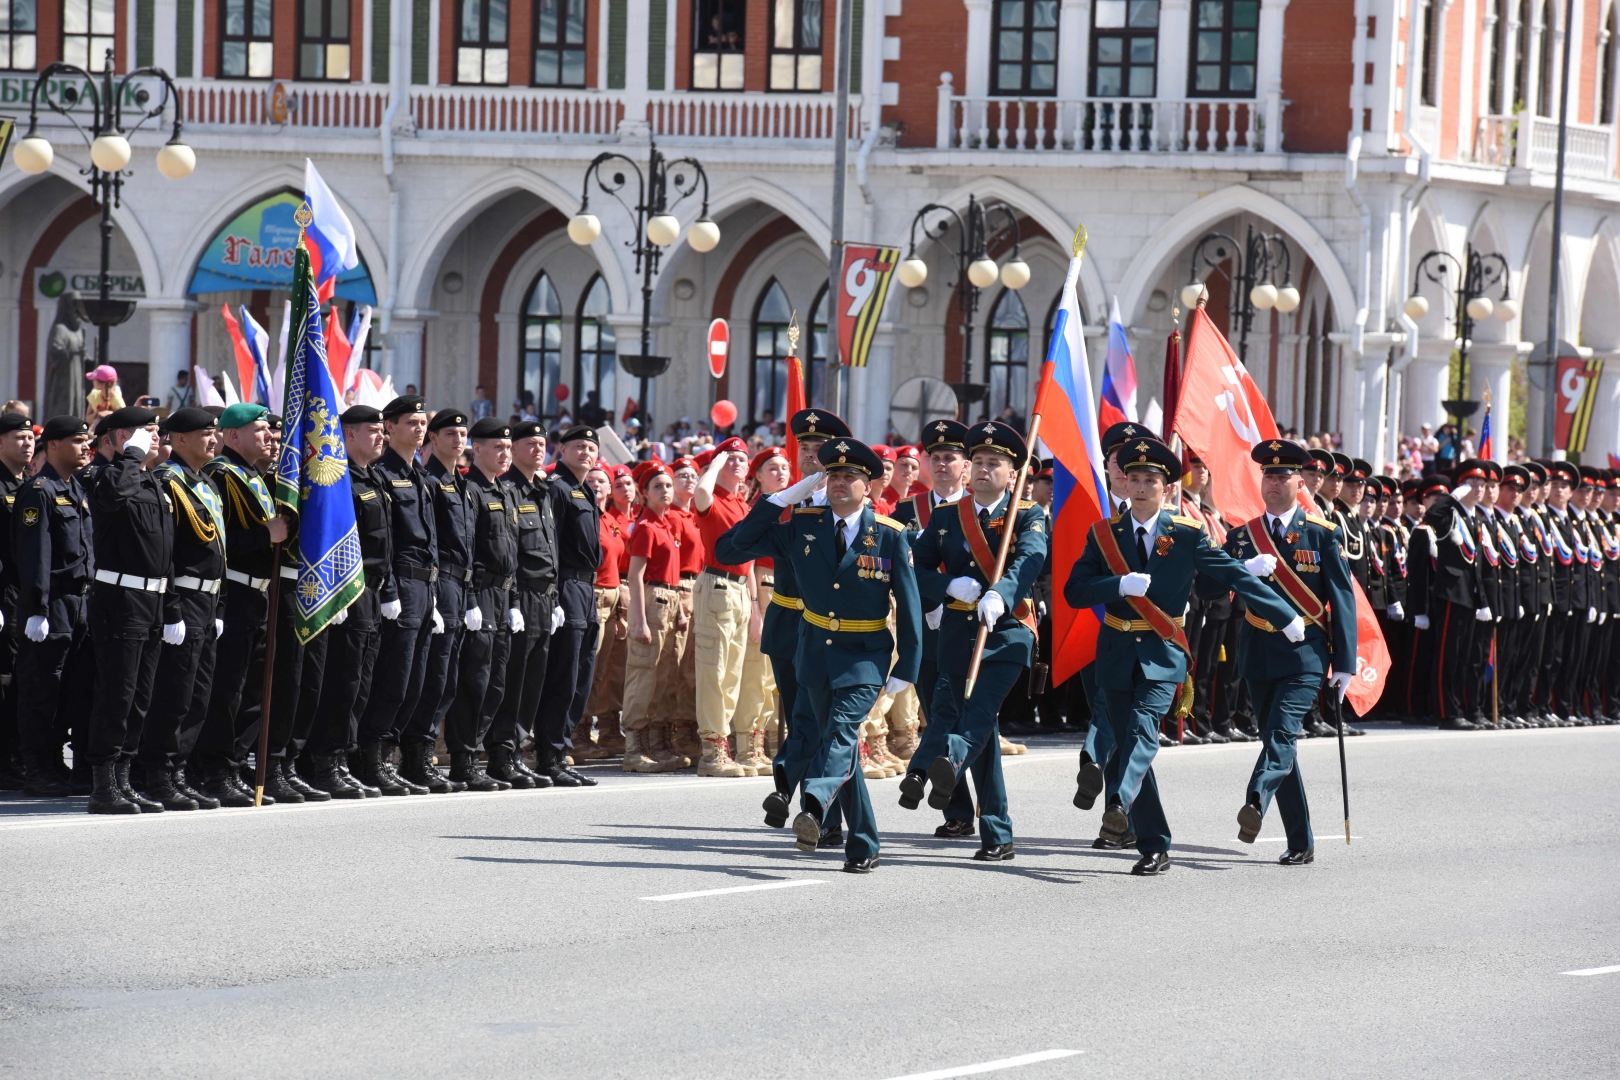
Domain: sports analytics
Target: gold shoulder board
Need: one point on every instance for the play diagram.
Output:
(809, 509)
(890, 522)
(1322, 521)
(1193, 523)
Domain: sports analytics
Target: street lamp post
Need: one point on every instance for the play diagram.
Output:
(108, 141)
(1261, 257)
(976, 270)
(656, 228)
(1477, 274)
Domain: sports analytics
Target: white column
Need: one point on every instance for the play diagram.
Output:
(977, 82)
(168, 340)
(1425, 385)
(1491, 366)
(1074, 31)
(164, 22)
(1175, 38)
(403, 353)
(9, 307)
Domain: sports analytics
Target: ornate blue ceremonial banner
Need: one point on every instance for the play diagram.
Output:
(312, 472)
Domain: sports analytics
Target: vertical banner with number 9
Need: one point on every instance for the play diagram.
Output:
(862, 290)
(1577, 393)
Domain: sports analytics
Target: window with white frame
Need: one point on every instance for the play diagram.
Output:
(559, 43)
(87, 32)
(1006, 350)
(323, 40)
(1124, 48)
(767, 389)
(245, 48)
(541, 368)
(481, 50)
(596, 349)
(796, 45)
(19, 35)
(718, 41)
(1226, 39)
(1025, 37)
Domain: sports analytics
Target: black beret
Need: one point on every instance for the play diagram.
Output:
(12, 421)
(275, 420)
(850, 454)
(191, 419)
(528, 429)
(491, 428)
(573, 434)
(447, 418)
(998, 437)
(1281, 456)
(1118, 433)
(402, 406)
(361, 414)
(130, 416)
(1148, 452)
(64, 427)
(946, 433)
(817, 424)
(103, 425)
(216, 411)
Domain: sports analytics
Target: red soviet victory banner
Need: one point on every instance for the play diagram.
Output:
(1221, 415)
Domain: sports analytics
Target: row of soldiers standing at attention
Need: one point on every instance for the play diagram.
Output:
(141, 559)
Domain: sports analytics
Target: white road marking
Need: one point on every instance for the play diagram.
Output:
(990, 1066)
(737, 889)
(1594, 971)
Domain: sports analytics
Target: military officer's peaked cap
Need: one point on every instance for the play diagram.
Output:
(1281, 456)
(1472, 469)
(1343, 464)
(817, 424)
(491, 427)
(184, 420)
(1359, 470)
(1001, 438)
(447, 418)
(1564, 470)
(1434, 484)
(944, 434)
(13, 422)
(64, 427)
(1516, 474)
(1409, 488)
(1321, 461)
(1592, 477)
(130, 416)
(361, 414)
(852, 455)
(241, 415)
(528, 429)
(403, 406)
(1146, 452)
(573, 434)
(1118, 433)
(1537, 471)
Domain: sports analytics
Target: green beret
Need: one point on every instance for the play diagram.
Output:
(241, 415)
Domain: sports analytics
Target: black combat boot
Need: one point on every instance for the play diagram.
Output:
(275, 783)
(415, 769)
(385, 765)
(42, 778)
(341, 760)
(289, 771)
(204, 802)
(147, 806)
(464, 769)
(324, 777)
(105, 795)
(377, 769)
(160, 787)
(501, 768)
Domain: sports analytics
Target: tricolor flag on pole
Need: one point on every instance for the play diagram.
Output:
(1119, 376)
(329, 236)
(258, 344)
(1485, 446)
(1069, 430)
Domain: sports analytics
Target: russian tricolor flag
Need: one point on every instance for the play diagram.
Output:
(1119, 376)
(329, 236)
(1069, 429)
(1486, 448)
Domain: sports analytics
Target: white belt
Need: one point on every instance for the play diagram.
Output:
(130, 581)
(260, 583)
(289, 573)
(197, 584)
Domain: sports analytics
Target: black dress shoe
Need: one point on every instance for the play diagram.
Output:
(1152, 865)
(911, 789)
(1217, 737)
(806, 831)
(860, 866)
(1455, 724)
(1192, 738)
(1090, 785)
(942, 782)
(831, 838)
(1298, 858)
(776, 810)
(562, 776)
(956, 830)
(1323, 730)
(994, 853)
(1102, 843)
(1019, 727)
(1349, 730)
(1115, 823)
(1165, 740)
(1237, 734)
(581, 780)
(1249, 823)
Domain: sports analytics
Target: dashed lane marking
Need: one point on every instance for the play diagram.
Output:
(741, 889)
(990, 1066)
(1610, 970)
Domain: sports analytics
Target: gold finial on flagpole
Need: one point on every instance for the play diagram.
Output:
(1485, 395)
(303, 216)
(1078, 247)
(793, 335)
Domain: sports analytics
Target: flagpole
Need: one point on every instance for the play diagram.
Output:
(1009, 522)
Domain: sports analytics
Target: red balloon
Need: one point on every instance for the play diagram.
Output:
(724, 413)
(561, 393)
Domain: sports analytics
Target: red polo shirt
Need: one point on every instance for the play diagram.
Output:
(654, 539)
(724, 512)
(615, 548)
(685, 527)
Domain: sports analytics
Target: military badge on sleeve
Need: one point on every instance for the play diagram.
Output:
(31, 516)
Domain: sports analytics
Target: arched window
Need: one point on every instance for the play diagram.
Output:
(816, 391)
(767, 386)
(541, 368)
(1606, 47)
(595, 354)
(1006, 350)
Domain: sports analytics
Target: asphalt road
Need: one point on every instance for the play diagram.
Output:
(513, 935)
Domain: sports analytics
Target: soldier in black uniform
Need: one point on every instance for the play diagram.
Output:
(55, 561)
(351, 652)
(453, 512)
(252, 526)
(1507, 606)
(573, 647)
(1523, 655)
(16, 451)
(1568, 596)
(494, 621)
(193, 615)
(134, 541)
(1456, 608)
(540, 617)
(389, 719)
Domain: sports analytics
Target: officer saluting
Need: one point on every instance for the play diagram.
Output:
(1298, 555)
(51, 534)
(957, 555)
(1141, 565)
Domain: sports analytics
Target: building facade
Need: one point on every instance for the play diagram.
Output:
(457, 134)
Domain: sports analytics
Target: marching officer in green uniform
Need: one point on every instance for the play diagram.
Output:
(849, 562)
(1140, 566)
(1298, 555)
(957, 556)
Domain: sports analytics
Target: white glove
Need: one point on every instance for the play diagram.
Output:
(474, 619)
(991, 608)
(2, 620)
(1420, 621)
(38, 628)
(1591, 614)
(219, 625)
(1341, 679)
(1261, 565)
(340, 618)
(174, 633)
(1483, 614)
(894, 686)
(964, 589)
(140, 439)
(1395, 612)
(1549, 609)
(1135, 584)
(935, 617)
(1521, 611)
(1295, 631)
(392, 609)
(558, 617)
(438, 620)
(514, 619)
(1040, 608)
(797, 493)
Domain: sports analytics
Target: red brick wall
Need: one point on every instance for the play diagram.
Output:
(933, 37)
(1458, 34)
(284, 32)
(1316, 74)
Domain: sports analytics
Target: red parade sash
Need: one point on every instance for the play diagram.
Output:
(923, 506)
(1162, 624)
(979, 547)
(1294, 588)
